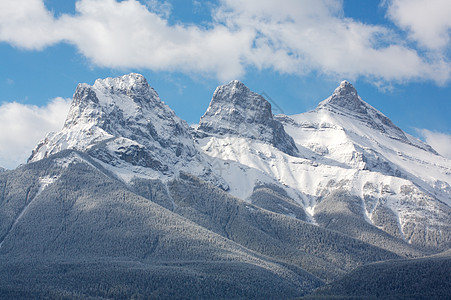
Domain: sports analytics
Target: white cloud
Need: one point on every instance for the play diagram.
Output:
(23, 126)
(126, 34)
(298, 37)
(441, 142)
(301, 36)
(27, 24)
(428, 21)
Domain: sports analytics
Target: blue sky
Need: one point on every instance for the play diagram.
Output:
(395, 52)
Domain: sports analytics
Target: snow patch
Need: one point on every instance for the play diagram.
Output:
(45, 182)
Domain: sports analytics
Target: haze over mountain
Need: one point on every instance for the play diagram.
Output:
(245, 205)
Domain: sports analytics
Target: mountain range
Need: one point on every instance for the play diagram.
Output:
(129, 201)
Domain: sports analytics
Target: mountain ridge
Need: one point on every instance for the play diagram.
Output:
(246, 202)
(342, 150)
(123, 123)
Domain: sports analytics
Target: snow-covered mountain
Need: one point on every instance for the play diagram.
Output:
(345, 145)
(123, 123)
(245, 202)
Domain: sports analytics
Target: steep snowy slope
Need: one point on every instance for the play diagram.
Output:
(347, 146)
(400, 179)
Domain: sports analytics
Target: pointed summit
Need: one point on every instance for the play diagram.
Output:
(346, 101)
(236, 110)
(345, 97)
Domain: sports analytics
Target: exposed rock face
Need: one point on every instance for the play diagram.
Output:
(345, 97)
(236, 110)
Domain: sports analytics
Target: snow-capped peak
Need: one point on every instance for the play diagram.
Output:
(132, 81)
(236, 110)
(122, 121)
(345, 97)
(346, 101)
(128, 97)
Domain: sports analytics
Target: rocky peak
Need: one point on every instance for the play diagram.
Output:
(122, 119)
(128, 98)
(236, 110)
(346, 101)
(345, 96)
(241, 102)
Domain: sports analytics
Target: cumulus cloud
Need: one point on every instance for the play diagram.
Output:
(23, 126)
(441, 142)
(27, 24)
(298, 37)
(427, 21)
(303, 36)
